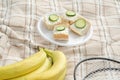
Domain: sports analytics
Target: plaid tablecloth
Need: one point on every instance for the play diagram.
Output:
(19, 36)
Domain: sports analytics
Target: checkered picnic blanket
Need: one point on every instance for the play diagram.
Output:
(19, 36)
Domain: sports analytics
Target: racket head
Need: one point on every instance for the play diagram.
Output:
(97, 68)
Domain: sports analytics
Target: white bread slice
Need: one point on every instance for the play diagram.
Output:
(61, 35)
(49, 24)
(81, 31)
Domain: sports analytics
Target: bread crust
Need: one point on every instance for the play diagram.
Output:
(60, 36)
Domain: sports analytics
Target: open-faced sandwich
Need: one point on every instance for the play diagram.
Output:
(52, 20)
(80, 26)
(70, 16)
(61, 32)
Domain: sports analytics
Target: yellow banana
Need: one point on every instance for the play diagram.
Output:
(62, 77)
(58, 67)
(23, 67)
(44, 67)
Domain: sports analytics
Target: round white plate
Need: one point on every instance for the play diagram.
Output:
(74, 39)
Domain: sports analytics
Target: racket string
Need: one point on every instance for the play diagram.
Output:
(102, 68)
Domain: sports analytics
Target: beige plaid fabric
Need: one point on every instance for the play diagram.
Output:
(19, 36)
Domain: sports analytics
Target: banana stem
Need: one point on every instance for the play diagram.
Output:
(49, 52)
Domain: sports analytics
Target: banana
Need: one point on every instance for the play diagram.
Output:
(62, 77)
(23, 67)
(58, 67)
(44, 67)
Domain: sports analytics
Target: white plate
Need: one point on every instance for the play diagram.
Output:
(74, 39)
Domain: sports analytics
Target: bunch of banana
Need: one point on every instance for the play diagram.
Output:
(44, 65)
(23, 67)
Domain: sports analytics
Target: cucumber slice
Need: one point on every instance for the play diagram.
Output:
(80, 23)
(53, 17)
(60, 28)
(70, 13)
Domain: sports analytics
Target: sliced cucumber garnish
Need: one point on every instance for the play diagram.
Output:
(53, 17)
(80, 23)
(70, 13)
(60, 28)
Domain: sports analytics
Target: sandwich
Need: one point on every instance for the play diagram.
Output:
(80, 26)
(70, 17)
(61, 32)
(52, 20)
